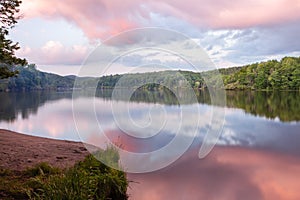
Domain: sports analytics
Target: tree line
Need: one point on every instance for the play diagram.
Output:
(269, 75)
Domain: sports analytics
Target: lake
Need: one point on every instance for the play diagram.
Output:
(257, 155)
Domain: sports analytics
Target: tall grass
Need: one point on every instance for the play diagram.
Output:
(88, 179)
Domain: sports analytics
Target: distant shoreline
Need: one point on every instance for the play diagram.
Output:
(119, 88)
(269, 75)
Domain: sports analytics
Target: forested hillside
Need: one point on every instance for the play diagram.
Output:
(283, 75)
(29, 78)
(270, 75)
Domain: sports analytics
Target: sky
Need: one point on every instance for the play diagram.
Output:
(58, 36)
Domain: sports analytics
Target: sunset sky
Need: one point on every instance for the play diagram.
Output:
(57, 35)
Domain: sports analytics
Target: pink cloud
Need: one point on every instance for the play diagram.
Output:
(54, 52)
(100, 19)
(95, 18)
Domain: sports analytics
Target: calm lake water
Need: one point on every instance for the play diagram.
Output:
(257, 155)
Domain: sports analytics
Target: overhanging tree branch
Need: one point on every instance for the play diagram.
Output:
(9, 10)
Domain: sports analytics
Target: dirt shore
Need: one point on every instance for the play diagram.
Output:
(19, 151)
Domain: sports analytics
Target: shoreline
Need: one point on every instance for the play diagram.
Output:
(33, 167)
(19, 151)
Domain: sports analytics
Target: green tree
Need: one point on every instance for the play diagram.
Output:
(8, 16)
(275, 80)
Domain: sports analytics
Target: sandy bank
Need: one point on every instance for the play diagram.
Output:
(19, 151)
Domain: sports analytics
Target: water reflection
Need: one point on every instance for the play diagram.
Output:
(227, 173)
(26, 104)
(257, 156)
(281, 105)
(50, 115)
(284, 105)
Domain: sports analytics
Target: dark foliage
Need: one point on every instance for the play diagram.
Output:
(8, 16)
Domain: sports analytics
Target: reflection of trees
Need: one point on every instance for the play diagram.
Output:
(161, 96)
(25, 104)
(284, 105)
(164, 96)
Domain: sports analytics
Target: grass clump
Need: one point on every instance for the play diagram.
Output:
(87, 179)
(42, 168)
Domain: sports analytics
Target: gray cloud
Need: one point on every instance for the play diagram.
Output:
(262, 43)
